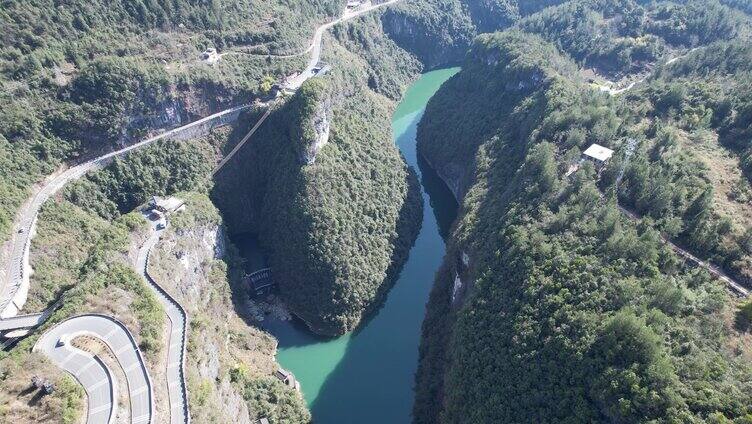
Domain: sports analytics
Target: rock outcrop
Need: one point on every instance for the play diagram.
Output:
(319, 124)
(226, 356)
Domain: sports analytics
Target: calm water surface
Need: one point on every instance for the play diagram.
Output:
(367, 376)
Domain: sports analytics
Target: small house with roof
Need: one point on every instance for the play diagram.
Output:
(598, 155)
(288, 378)
(165, 205)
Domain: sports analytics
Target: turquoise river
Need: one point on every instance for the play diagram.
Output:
(367, 376)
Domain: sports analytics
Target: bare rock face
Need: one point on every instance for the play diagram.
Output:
(233, 403)
(188, 263)
(193, 249)
(309, 114)
(529, 83)
(456, 288)
(319, 123)
(431, 36)
(208, 361)
(452, 174)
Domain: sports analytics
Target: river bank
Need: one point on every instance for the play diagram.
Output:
(367, 376)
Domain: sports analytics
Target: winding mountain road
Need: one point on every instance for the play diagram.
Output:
(318, 36)
(15, 285)
(177, 320)
(98, 381)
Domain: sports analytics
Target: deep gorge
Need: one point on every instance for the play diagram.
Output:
(554, 292)
(344, 379)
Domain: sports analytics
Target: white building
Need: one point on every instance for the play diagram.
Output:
(598, 154)
(210, 56)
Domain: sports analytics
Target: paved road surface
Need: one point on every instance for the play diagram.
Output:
(15, 286)
(177, 320)
(28, 321)
(315, 47)
(615, 92)
(94, 376)
(22, 321)
(712, 269)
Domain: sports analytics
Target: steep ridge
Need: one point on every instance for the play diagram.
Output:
(551, 305)
(315, 189)
(439, 32)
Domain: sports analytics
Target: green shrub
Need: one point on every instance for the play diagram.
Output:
(269, 398)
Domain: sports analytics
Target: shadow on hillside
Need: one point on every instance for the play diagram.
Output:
(443, 204)
(34, 401)
(373, 382)
(742, 322)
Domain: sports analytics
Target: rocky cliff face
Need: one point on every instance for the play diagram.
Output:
(225, 354)
(455, 175)
(181, 107)
(435, 38)
(440, 32)
(319, 124)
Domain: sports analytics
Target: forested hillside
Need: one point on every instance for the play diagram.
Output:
(570, 311)
(439, 32)
(619, 37)
(691, 173)
(83, 254)
(75, 27)
(558, 300)
(326, 189)
(92, 76)
(743, 5)
(79, 77)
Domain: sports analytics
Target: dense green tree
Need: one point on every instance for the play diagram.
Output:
(634, 380)
(337, 220)
(575, 313)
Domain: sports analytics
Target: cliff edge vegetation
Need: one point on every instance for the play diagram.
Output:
(332, 201)
(553, 305)
(81, 77)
